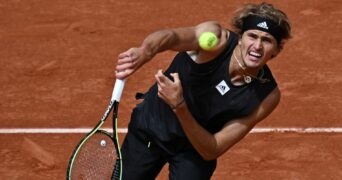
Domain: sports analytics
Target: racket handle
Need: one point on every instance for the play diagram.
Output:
(118, 87)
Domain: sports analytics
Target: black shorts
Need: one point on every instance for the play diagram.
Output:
(143, 158)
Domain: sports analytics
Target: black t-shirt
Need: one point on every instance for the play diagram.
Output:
(207, 89)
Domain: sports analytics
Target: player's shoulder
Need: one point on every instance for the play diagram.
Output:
(209, 23)
(211, 26)
(215, 27)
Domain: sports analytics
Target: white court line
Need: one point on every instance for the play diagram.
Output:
(124, 130)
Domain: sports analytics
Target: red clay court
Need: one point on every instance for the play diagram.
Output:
(57, 62)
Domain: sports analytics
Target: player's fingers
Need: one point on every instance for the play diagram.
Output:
(161, 92)
(164, 80)
(123, 74)
(125, 65)
(129, 52)
(161, 96)
(128, 58)
(159, 78)
(175, 78)
(124, 57)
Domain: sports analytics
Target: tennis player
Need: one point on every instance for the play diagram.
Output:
(205, 101)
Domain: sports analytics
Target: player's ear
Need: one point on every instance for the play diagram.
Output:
(279, 48)
(239, 42)
(275, 53)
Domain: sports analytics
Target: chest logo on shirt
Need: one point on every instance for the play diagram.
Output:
(222, 87)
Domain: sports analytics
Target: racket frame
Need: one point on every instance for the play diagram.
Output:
(114, 104)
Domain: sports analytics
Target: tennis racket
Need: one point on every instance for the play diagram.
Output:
(98, 155)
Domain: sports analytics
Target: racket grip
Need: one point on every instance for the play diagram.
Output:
(118, 87)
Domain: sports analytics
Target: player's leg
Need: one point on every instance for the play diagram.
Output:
(190, 165)
(141, 160)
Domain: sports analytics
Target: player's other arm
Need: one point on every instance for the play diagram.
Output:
(178, 39)
(211, 146)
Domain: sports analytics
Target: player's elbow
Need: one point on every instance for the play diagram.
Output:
(212, 150)
(210, 155)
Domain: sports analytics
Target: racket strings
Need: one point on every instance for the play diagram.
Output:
(96, 158)
(116, 172)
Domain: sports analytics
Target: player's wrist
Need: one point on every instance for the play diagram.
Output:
(147, 51)
(178, 105)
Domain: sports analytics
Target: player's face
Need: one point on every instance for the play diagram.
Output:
(257, 47)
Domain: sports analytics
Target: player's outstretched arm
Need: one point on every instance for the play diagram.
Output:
(178, 39)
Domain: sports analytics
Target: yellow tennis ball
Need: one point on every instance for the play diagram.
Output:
(208, 40)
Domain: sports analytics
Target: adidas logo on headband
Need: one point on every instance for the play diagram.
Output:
(263, 25)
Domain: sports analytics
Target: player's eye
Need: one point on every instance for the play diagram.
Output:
(267, 39)
(252, 36)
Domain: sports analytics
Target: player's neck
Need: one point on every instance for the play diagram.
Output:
(239, 72)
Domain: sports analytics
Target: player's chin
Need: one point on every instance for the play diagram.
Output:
(254, 62)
